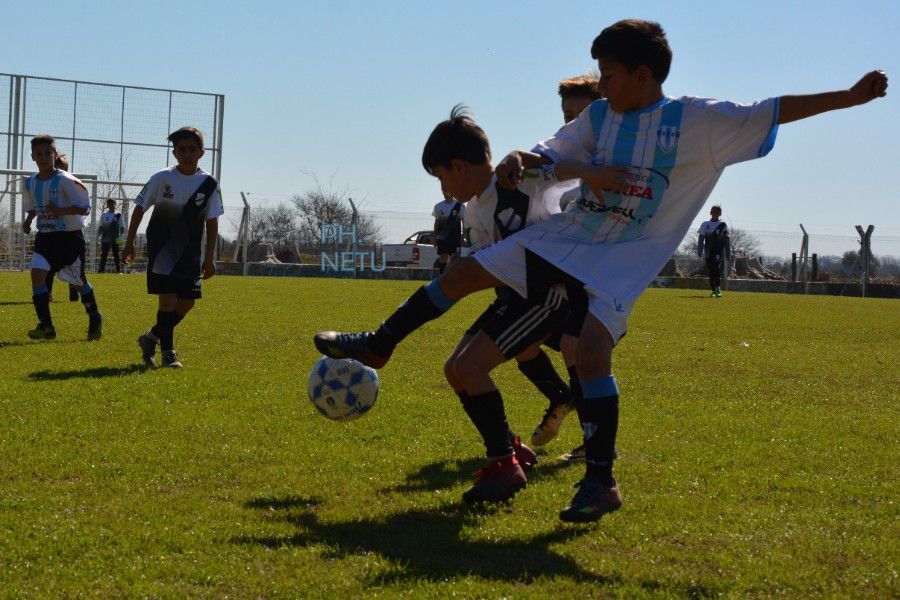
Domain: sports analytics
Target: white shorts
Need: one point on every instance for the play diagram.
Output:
(506, 261)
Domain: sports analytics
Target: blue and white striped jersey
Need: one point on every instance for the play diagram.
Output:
(675, 152)
(61, 191)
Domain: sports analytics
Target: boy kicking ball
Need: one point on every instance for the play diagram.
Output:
(185, 198)
(59, 201)
(648, 163)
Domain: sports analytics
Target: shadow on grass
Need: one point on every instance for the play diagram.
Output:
(92, 373)
(448, 473)
(30, 342)
(16, 303)
(424, 544)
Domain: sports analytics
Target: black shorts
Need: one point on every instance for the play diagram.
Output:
(514, 323)
(184, 288)
(58, 249)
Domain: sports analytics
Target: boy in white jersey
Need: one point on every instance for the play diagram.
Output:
(458, 154)
(715, 243)
(647, 164)
(185, 198)
(110, 233)
(447, 231)
(59, 201)
(62, 162)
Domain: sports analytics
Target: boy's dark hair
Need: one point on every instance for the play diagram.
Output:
(190, 133)
(715, 207)
(634, 42)
(459, 137)
(583, 86)
(62, 162)
(41, 139)
(110, 201)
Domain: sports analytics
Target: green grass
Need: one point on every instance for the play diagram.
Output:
(758, 445)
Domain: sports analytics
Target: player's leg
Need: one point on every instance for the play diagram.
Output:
(598, 410)
(40, 297)
(48, 283)
(166, 318)
(465, 276)
(539, 370)
(104, 253)
(568, 346)
(76, 256)
(115, 250)
(503, 476)
(711, 272)
(716, 273)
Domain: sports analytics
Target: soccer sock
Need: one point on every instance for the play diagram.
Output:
(539, 371)
(489, 417)
(41, 299)
(165, 324)
(88, 299)
(429, 302)
(600, 421)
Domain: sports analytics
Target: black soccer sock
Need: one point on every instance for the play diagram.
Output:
(40, 297)
(489, 417)
(429, 302)
(600, 422)
(88, 300)
(163, 329)
(539, 371)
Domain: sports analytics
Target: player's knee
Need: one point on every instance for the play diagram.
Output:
(594, 360)
(450, 373)
(465, 277)
(467, 369)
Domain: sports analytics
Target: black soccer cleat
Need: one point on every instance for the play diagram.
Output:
(499, 481)
(95, 327)
(170, 359)
(148, 349)
(350, 345)
(591, 501)
(43, 332)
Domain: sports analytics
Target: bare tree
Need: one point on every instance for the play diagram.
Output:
(744, 243)
(276, 225)
(327, 206)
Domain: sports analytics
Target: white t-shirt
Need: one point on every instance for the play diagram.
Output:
(61, 190)
(675, 152)
(497, 212)
(176, 225)
(442, 210)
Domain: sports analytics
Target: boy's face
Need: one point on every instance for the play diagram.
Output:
(187, 152)
(623, 87)
(110, 206)
(715, 213)
(573, 106)
(44, 156)
(457, 180)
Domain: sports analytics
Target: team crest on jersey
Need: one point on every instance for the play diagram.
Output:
(667, 137)
(167, 192)
(200, 198)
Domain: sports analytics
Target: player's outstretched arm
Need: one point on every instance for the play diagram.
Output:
(596, 177)
(872, 85)
(509, 170)
(137, 214)
(26, 224)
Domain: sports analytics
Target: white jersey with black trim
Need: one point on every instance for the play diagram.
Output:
(61, 190)
(675, 152)
(498, 212)
(169, 190)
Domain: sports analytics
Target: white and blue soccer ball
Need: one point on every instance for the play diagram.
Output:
(342, 389)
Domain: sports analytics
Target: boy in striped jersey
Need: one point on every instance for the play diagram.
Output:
(59, 201)
(647, 164)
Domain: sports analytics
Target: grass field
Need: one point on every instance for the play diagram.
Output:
(758, 455)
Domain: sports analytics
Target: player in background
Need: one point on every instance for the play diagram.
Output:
(447, 232)
(110, 232)
(715, 243)
(185, 199)
(576, 94)
(59, 201)
(647, 164)
(458, 154)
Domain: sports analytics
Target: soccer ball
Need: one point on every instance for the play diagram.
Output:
(342, 389)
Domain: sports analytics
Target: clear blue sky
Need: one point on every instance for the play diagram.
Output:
(352, 89)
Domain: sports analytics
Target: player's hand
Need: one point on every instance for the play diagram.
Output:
(209, 268)
(26, 227)
(605, 178)
(872, 85)
(509, 171)
(52, 212)
(128, 253)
